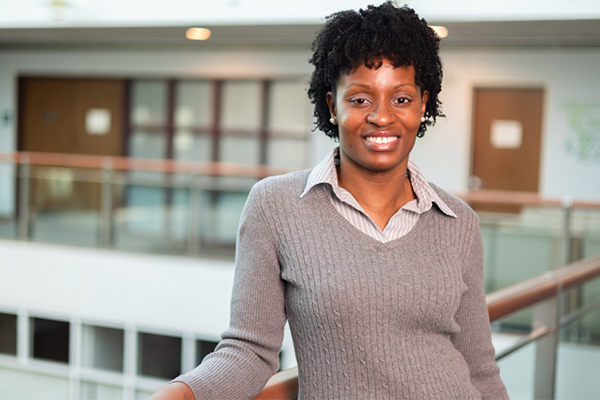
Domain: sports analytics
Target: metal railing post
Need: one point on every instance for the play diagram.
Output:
(546, 314)
(24, 193)
(106, 210)
(195, 211)
(567, 205)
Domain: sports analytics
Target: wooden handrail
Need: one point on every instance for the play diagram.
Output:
(515, 198)
(284, 385)
(139, 164)
(524, 294)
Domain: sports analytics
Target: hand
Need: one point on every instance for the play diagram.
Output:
(173, 391)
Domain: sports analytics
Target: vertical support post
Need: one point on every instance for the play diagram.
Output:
(24, 193)
(106, 210)
(567, 205)
(130, 358)
(74, 358)
(24, 336)
(188, 352)
(195, 212)
(546, 314)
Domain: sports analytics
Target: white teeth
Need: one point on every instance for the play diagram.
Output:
(379, 139)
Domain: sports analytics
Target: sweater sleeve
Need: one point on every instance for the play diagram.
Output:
(248, 355)
(474, 340)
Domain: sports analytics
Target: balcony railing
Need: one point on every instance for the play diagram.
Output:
(118, 202)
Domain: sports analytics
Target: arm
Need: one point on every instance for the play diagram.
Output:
(248, 354)
(474, 340)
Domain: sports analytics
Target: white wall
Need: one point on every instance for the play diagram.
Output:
(568, 76)
(172, 293)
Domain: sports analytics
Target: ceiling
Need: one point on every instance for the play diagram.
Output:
(519, 34)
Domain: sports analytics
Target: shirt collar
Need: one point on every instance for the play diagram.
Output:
(325, 173)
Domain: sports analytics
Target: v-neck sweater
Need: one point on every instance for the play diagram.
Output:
(405, 319)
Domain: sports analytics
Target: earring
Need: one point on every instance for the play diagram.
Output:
(422, 119)
(333, 120)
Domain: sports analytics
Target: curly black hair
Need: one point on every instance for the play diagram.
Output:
(349, 39)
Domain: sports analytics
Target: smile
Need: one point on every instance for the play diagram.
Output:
(379, 139)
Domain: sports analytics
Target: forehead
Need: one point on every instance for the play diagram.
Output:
(385, 74)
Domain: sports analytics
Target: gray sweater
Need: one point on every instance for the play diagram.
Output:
(404, 319)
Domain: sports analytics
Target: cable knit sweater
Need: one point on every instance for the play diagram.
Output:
(404, 319)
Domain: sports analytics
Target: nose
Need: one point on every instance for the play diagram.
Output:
(381, 115)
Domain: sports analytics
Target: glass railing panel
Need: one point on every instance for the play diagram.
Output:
(516, 324)
(149, 214)
(578, 364)
(517, 371)
(220, 217)
(586, 231)
(64, 205)
(520, 246)
(161, 212)
(517, 365)
(8, 209)
(8, 226)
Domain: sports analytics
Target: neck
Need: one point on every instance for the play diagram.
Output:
(380, 194)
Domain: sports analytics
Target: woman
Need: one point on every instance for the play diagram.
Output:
(378, 272)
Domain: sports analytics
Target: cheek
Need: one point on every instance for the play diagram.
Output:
(412, 120)
(349, 122)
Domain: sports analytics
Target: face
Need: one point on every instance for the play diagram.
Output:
(379, 113)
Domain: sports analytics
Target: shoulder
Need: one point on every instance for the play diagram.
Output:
(278, 192)
(281, 186)
(460, 208)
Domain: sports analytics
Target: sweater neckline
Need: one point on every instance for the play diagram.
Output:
(373, 243)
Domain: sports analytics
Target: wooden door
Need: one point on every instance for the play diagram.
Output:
(46, 118)
(59, 116)
(71, 116)
(507, 130)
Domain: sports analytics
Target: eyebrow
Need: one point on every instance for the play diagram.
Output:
(362, 85)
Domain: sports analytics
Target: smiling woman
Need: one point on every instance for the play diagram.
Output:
(378, 272)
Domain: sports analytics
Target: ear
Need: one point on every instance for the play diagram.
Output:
(424, 99)
(330, 99)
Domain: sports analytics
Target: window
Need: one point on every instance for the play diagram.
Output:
(159, 356)
(50, 339)
(204, 348)
(102, 348)
(239, 121)
(8, 334)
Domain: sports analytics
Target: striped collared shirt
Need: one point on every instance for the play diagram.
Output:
(399, 225)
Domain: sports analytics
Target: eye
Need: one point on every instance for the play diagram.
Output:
(402, 100)
(359, 101)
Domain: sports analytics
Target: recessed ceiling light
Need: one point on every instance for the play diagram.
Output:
(197, 34)
(441, 31)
